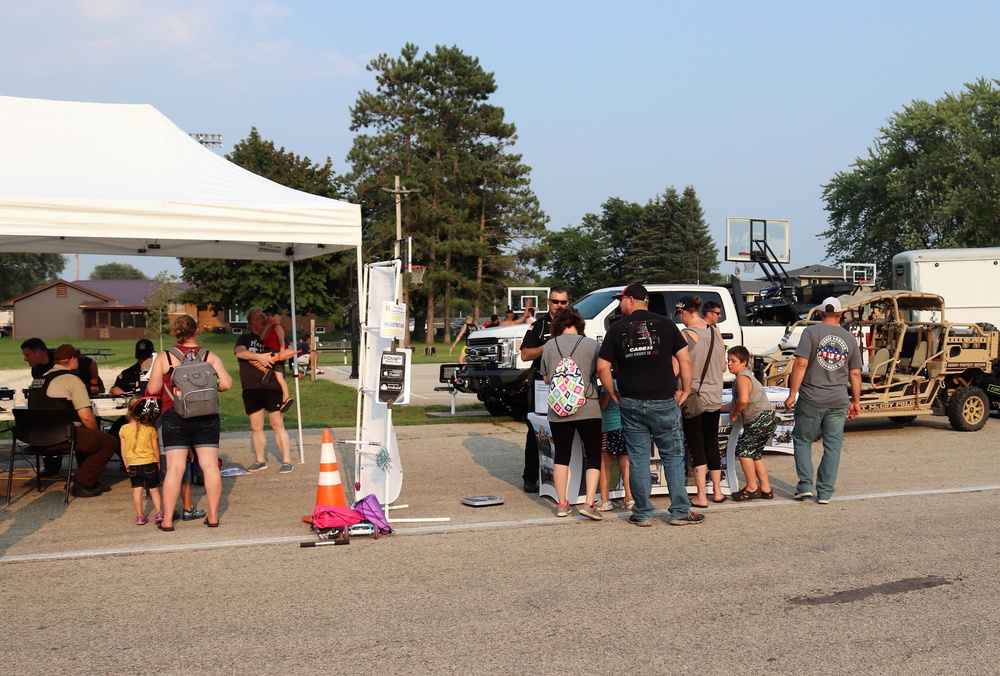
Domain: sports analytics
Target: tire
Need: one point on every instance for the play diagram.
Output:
(903, 419)
(496, 407)
(968, 409)
(986, 326)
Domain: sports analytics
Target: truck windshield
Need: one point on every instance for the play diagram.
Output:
(593, 303)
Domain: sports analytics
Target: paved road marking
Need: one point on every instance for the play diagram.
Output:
(56, 556)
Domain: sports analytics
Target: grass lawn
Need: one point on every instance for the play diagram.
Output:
(324, 404)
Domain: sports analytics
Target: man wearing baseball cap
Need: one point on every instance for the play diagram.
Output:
(643, 345)
(61, 388)
(827, 359)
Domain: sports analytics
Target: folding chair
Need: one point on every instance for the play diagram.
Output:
(38, 430)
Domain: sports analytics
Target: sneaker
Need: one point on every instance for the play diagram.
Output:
(530, 486)
(191, 514)
(603, 506)
(564, 510)
(802, 495)
(286, 468)
(823, 501)
(641, 523)
(628, 505)
(689, 520)
(591, 513)
(141, 520)
(257, 466)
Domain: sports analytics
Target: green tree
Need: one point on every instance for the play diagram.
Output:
(21, 272)
(475, 221)
(931, 180)
(162, 295)
(117, 271)
(595, 254)
(676, 246)
(320, 282)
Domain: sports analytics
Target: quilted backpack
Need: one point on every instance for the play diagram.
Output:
(567, 386)
(196, 384)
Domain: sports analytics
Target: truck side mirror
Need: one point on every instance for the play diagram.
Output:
(613, 317)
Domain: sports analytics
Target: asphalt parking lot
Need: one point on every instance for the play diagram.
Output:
(896, 575)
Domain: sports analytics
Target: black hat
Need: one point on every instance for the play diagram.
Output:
(144, 348)
(272, 310)
(637, 291)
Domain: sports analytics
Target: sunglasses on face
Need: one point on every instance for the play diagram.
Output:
(558, 302)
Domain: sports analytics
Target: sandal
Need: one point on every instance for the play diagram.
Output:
(767, 495)
(159, 518)
(705, 506)
(141, 520)
(744, 494)
(724, 498)
(285, 405)
(165, 529)
(266, 378)
(210, 524)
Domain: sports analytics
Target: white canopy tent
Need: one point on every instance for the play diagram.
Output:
(114, 179)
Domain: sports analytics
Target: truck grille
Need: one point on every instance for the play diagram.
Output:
(483, 351)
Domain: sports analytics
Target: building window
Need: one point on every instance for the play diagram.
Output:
(235, 317)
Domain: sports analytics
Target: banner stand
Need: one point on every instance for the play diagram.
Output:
(384, 370)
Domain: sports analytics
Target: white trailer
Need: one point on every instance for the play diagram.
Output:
(967, 279)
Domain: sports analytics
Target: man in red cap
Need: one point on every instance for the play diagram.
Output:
(643, 345)
(60, 388)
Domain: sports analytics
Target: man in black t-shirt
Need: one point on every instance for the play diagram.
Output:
(259, 397)
(643, 345)
(531, 350)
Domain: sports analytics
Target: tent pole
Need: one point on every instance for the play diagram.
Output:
(295, 370)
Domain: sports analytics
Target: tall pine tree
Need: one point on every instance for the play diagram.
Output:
(475, 218)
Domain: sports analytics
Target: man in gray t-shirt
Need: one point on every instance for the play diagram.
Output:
(827, 359)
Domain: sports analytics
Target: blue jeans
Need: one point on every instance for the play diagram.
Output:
(643, 422)
(809, 420)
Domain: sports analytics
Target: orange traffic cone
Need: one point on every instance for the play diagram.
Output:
(330, 492)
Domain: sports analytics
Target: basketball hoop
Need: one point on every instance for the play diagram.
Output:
(748, 265)
(417, 274)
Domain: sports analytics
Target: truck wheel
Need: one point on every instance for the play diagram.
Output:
(986, 326)
(496, 407)
(903, 419)
(968, 409)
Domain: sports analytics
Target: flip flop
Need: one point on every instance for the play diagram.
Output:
(705, 506)
(211, 525)
(166, 529)
(724, 498)
(285, 405)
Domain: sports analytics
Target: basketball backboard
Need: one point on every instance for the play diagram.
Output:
(741, 233)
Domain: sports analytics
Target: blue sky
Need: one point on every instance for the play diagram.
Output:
(756, 105)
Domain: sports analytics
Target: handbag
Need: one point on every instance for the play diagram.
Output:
(692, 406)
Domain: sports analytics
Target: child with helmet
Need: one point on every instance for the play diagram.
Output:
(141, 454)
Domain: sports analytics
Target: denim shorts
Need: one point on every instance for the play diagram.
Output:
(187, 433)
(144, 476)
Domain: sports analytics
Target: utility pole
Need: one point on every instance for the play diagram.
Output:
(398, 193)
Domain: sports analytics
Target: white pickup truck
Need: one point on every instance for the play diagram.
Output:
(495, 372)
